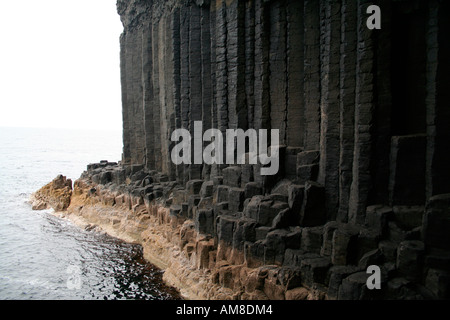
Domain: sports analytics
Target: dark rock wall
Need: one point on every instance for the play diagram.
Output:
(311, 69)
(363, 114)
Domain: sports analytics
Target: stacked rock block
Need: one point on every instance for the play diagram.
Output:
(363, 118)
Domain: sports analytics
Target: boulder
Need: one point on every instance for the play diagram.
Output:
(56, 194)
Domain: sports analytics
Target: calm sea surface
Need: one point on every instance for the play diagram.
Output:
(44, 257)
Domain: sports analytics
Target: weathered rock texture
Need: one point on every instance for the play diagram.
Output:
(363, 118)
(362, 112)
(55, 195)
(364, 127)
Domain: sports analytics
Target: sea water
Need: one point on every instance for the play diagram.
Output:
(43, 257)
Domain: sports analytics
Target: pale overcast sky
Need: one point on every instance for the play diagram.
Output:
(59, 64)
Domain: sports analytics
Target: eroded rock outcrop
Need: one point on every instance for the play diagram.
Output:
(55, 195)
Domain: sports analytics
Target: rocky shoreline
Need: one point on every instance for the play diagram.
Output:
(363, 134)
(363, 175)
(208, 251)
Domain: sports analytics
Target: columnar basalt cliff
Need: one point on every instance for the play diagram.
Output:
(364, 133)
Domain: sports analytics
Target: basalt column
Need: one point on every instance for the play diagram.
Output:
(347, 104)
(195, 80)
(133, 114)
(156, 105)
(262, 98)
(176, 63)
(278, 68)
(329, 104)
(295, 128)
(207, 91)
(312, 74)
(437, 99)
(220, 76)
(147, 83)
(126, 152)
(364, 106)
